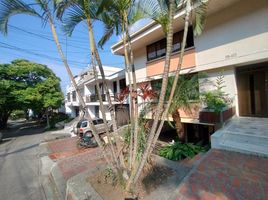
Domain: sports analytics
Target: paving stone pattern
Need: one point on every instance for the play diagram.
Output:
(225, 175)
(77, 164)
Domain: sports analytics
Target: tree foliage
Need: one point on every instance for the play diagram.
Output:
(26, 85)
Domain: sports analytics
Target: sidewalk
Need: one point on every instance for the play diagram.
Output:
(219, 174)
(67, 160)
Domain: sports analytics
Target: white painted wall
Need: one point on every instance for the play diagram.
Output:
(140, 59)
(234, 36)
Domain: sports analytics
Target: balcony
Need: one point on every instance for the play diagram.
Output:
(94, 98)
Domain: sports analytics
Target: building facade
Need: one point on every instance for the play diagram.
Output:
(115, 78)
(234, 43)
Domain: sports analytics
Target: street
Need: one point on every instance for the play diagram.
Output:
(19, 163)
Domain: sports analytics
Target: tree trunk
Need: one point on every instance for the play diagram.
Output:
(136, 173)
(132, 114)
(47, 116)
(178, 125)
(134, 92)
(111, 108)
(3, 119)
(186, 25)
(81, 100)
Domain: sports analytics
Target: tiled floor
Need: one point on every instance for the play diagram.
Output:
(224, 175)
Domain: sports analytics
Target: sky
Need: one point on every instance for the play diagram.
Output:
(28, 39)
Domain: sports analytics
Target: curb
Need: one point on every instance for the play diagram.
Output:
(78, 188)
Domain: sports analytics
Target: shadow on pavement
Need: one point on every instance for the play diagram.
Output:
(20, 150)
(21, 129)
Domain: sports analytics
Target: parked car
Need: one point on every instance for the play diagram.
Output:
(83, 128)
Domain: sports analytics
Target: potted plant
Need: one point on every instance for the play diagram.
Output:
(218, 105)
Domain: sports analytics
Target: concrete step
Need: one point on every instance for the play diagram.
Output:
(240, 142)
(243, 147)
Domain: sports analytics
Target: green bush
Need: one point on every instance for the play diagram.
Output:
(57, 117)
(179, 151)
(17, 114)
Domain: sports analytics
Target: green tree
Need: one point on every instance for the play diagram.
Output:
(27, 85)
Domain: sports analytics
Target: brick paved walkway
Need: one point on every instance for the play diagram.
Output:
(224, 175)
(77, 164)
(64, 148)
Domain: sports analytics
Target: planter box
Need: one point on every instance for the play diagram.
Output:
(216, 117)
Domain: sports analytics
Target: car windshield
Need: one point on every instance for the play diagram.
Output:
(84, 124)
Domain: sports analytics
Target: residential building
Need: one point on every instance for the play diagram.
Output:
(234, 43)
(115, 78)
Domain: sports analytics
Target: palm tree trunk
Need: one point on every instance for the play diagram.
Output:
(136, 173)
(185, 33)
(81, 100)
(107, 129)
(111, 108)
(127, 67)
(135, 97)
(178, 125)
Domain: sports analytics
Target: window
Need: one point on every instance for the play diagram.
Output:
(122, 84)
(74, 95)
(84, 124)
(100, 121)
(115, 87)
(97, 111)
(68, 97)
(158, 49)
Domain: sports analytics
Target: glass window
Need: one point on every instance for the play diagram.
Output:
(74, 95)
(158, 49)
(100, 121)
(84, 124)
(122, 84)
(115, 86)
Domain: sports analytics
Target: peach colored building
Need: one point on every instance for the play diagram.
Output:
(234, 43)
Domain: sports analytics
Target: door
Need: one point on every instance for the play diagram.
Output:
(252, 91)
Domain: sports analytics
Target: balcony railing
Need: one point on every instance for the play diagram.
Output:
(95, 98)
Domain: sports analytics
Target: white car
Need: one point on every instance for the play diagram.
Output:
(83, 128)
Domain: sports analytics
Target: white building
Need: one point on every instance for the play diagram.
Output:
(86, 82)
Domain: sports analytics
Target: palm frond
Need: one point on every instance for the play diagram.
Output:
(199, 17)
(10, 8)
(74, 16)
(108, 32)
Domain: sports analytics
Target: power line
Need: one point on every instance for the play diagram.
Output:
(7, 46)
(49, 38)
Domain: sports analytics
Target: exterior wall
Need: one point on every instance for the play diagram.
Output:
(140, 60)
(234, 36)
(156, 67)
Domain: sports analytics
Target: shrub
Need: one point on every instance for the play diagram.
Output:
(179, 151)
(17, 114)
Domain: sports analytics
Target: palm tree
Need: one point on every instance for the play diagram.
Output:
(117, 16)
(199, 16)
(10, 8)
(187, 91)
(198, 10)
(84, 11)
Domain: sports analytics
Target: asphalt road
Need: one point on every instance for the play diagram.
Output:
(19, 163)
